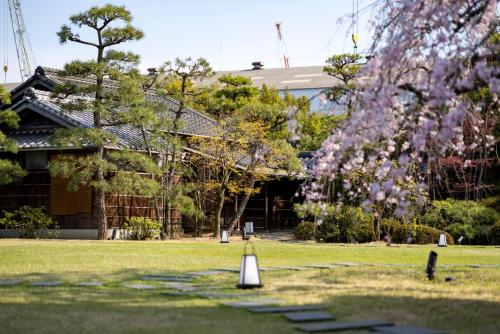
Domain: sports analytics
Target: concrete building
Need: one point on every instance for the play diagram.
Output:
(309, 81)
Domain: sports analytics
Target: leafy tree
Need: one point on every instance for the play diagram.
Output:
(254, 143)
(412, 97)
(106, 170)
(180, 75)
(8, 169)
(314, 127)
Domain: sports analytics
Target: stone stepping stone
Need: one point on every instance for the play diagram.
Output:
(179, 286)
(253, 302)
(341, 326)
(269, 269)
(291, 268)
(167, 278)
(174, 293)
(232, 270)
(405, 329)
(308, 316)
(47, 283)
(139, 286)
(322, 266)
(93, 283)
(285, 309)
(206, 273)
(348, 264)
(212, 295)
(483, 266)
(9, 282)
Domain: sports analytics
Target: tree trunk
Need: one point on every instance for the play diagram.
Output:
(102, 222)
(239, 212)
(165, 234)
(376, 228)
(218, 212)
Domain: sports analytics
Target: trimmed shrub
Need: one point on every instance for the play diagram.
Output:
(420, 234)
(139, 228)
(472, 220)
(304, 231)
(29, 222)
(327, 232)
(495, 234)
(347, 224)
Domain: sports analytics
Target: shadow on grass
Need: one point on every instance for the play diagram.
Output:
(451, 315)
(83, 310)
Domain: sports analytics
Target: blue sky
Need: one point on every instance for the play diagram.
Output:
(230, 34)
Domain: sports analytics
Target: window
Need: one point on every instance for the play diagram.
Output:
(36, 160)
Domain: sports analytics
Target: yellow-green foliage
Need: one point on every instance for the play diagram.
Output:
(141, 228)
(304, 231)
(420, 234)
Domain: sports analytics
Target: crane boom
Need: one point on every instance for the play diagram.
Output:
(284, 60)
(23, 46)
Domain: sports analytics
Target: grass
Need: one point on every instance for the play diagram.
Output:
(471, 304)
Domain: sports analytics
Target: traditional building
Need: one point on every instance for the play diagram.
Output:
(40, 114)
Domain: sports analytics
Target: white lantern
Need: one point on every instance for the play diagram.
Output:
(249, 227)
(249, 270)
(442, 240)
(224, 237)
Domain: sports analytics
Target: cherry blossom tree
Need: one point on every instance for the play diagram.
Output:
(413, 96)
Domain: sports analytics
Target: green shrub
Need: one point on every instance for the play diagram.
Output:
(495, 234)
(28, 222)
(492, 202)
(328, 231)
(347, 224)
(420, 234)
(463, 212)
(304, 231)
(472, 220)
(139, 228)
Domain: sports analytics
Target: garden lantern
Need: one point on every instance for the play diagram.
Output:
(224, 237)
(431, 265)
(249, 227)
(442, 240)
(249, 270)
(244, 235)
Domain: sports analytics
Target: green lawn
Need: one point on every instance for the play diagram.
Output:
(471, 304)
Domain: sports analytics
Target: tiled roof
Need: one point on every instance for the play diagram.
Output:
(306, 77)
(194, 123)
(128, 137)
(30, 139)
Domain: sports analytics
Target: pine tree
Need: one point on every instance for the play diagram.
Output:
(105, 170)
(343, 67)
(8, 169)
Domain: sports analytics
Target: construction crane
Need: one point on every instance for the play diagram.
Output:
(355, 24)
(284, 60)
(24, 51)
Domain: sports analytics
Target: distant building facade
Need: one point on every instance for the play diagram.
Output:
(309, 81)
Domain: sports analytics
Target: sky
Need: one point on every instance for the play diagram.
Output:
(230, 34)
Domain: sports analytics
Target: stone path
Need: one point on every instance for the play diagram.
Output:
(308, 316)
(47, 283)
(92, 283)
(139, 286)
(9, 282)
(285, 309)
(405, 329)
(331, 326)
